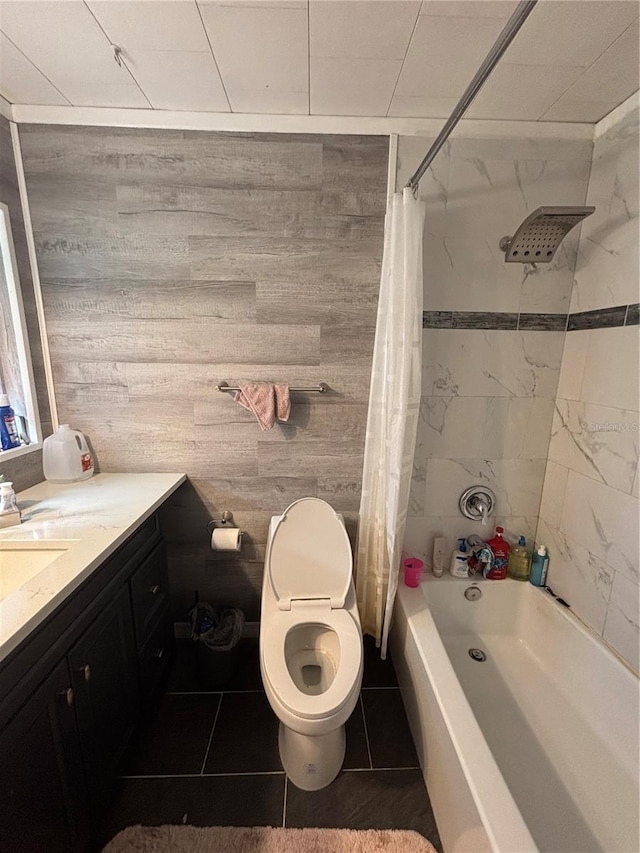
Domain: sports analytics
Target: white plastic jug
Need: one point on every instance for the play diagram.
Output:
(66, 457)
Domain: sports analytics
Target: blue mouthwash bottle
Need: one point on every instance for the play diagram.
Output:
(539, 567)
(9, 437)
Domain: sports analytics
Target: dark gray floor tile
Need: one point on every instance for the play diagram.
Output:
(377, 672)
(203, 801)
(245, 739)
(366, 799)
(357, 754)
(186, 675)
(175, 738)
(390, 739)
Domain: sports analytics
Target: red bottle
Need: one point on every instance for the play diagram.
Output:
(500, 548)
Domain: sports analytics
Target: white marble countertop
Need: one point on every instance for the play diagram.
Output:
(93, 518)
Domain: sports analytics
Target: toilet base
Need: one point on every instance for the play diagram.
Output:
(311, 762)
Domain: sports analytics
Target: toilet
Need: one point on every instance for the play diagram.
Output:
(310, 639)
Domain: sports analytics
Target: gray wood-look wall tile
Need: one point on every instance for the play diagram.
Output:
(174, 260)
(217, 301)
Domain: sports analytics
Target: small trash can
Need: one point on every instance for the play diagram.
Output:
(217, 632)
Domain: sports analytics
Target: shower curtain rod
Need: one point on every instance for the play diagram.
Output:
(522, 12)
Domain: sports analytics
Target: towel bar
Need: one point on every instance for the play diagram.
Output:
(321, 387)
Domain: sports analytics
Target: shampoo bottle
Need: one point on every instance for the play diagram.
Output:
(539, 567)
(8, 431)
(459, 567)
(439, 556)
(501, 549)
(519, 561)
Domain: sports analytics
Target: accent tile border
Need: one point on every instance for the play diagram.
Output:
(602, 318)
(493, 320)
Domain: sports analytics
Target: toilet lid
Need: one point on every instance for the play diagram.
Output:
(310, 555)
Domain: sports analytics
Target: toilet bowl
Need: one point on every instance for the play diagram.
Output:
(310, 639)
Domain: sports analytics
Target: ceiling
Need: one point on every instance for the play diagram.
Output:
(573, 60)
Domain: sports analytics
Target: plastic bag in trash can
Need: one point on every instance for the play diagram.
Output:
(218, 628)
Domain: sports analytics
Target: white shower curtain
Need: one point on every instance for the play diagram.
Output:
(392, 422)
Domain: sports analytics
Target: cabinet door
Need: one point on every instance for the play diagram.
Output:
(103, 671)
(149, 593)
(42, 787)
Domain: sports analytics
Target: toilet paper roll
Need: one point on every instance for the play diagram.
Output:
(226, 539)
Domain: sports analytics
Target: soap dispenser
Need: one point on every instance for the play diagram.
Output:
(519, 561)
(459, 567)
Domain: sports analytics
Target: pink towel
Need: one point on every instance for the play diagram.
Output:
(266, 400)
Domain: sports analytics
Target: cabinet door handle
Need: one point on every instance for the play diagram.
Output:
(85, 672)
(67, 696)
(155, 589)
(158, 654)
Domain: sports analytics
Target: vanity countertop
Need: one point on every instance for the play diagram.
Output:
(92, 519)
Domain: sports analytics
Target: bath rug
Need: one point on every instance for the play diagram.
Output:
(265, 839)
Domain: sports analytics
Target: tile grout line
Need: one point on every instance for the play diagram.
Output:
(204, 775)
(207, 692)
(284, 804)
(366, 732)
(379, 769)
(215, 720)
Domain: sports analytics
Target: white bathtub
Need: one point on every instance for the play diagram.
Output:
(534, 749)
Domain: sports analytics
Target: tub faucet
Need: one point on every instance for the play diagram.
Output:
(483, 510)
(477, 503)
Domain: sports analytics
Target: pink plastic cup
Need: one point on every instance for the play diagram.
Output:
(412, 571)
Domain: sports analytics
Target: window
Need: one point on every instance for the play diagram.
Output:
(16, 374)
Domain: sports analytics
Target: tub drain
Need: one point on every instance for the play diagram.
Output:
(477, 654)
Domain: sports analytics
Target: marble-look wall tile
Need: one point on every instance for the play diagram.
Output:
(596, 441)
(553, 492)
(521, 148)
(611, 368)
(604, 520)
(491, 363)
(576, 575)
(574, 357)
(517, 484)
(621, 628)
(417, 491)
(607, 266)
(489, 427)
(479, 190)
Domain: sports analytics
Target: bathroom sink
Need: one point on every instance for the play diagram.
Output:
(20, 561)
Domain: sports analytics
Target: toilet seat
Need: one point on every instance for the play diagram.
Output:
(309, 556)
(325, 704)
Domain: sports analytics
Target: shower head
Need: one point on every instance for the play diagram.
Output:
(537, 239)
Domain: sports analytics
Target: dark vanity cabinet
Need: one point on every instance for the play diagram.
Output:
(72, 693)
(42, 791)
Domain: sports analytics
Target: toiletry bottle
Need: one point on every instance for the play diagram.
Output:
(8, 431)
(519, 561)
(539, 567)
(439, 546)
(9, 512)
(459, 567)
(501, 549)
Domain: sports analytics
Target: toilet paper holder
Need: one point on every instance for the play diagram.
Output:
(225, 520)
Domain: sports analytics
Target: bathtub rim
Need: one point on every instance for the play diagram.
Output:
(498, 811)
